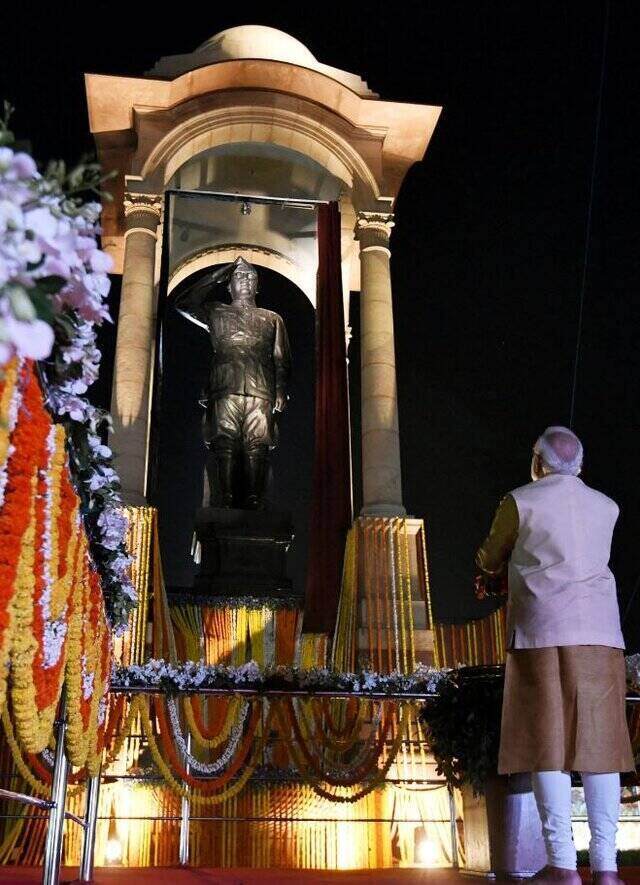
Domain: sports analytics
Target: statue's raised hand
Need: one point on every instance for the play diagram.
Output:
(280, 403)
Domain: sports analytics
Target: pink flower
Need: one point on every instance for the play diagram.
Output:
(11, 217)
(55, 267)
(43, 224)
(24, 166)
(33, 340)
(101, 262)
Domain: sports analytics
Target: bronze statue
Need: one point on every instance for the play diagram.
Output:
(247, 382)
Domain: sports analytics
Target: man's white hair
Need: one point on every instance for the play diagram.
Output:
(560, 450)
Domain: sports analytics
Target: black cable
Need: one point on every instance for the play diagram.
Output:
(587, 241)
(627, 611)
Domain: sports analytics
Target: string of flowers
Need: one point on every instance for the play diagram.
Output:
(372, 780)
(207, 738)
(53, 289)
(339, 746)
(194, 764)
(195, 796)
(195, 676)
(10, 399)
(210, 786)
(359, 766)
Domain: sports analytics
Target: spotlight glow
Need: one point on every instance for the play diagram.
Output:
(426, 852)
(113, 851)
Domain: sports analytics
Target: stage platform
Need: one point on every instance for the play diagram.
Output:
(177, 876)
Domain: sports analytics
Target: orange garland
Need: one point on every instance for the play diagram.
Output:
(14, 521)
(357, 775)
(53, 622)
(210, 785)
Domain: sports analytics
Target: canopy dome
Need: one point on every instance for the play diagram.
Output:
(253, 42)
(256, 41)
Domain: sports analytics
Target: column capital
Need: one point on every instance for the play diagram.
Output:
(142, 211)
(373, 229)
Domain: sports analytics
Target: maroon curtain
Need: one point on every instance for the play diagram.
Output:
(331, 493)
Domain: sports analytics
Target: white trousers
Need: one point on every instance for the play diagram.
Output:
(552, 790)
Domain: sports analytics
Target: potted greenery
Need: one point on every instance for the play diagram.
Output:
(501, 823)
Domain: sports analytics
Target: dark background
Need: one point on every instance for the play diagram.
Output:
(489, 244)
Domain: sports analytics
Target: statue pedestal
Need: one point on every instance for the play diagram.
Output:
(243, 552)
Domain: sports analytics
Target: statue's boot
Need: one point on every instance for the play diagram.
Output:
(224, 461)
(255, 465)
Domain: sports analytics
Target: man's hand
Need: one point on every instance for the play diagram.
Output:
(493, 586)
(280, 403)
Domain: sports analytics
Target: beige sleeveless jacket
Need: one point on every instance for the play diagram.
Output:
(561, 590)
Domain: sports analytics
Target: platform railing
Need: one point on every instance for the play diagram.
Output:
(55, 806)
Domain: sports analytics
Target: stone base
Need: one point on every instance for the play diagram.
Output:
(502, 829)
(393, 590)
(243, 552)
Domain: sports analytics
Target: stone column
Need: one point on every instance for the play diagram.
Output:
(381, 479)
(135, 345)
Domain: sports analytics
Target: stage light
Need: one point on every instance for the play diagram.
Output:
(113, 848)
(245, 208)
(113, 851)
(426, 852)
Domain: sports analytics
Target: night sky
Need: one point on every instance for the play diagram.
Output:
(489, 244)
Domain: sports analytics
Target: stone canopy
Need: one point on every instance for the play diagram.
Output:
(251, 85)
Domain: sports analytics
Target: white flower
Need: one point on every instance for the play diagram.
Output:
(11, 217)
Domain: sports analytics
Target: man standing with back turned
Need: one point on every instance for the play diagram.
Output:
(564, 693)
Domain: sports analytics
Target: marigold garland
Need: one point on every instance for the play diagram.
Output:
(39, 650)
(40, 788)
(32, 725)
(357, 774)
(196, 797)
(171, 754)
(316, 781)
(87, 667)
(10, 395)
(325, 730)
(53, 622)
(14, 521)
(209, 739)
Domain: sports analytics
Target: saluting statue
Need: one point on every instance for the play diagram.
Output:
(247, 382)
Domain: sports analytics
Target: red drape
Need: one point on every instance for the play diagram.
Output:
(331, 494)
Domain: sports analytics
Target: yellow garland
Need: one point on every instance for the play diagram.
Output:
(8, 387)
(71, 592)
(100, 685)
(344, 642)
(111, 755)
(100, 690)
(399, 590)
(338, 745)
(38, 786)
(34, 726)
(431, 625)
(407, 579)
(307, 730)
(77, 737)
(24, 771)
(60, 594)
(314, 781)
(231, 718)
(174, 785)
